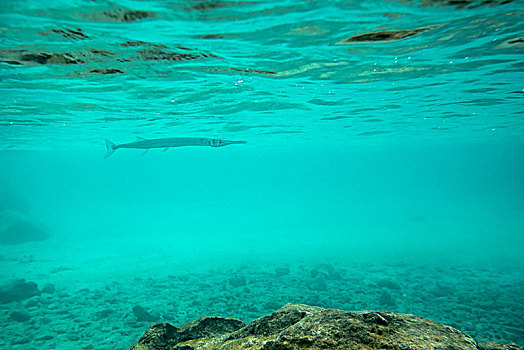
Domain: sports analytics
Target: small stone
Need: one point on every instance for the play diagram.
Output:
(281, 271)
(385, 283)
(46, 337)
(20, 316)
(105, 313)
(48, 289)
(318, 284)
(237, 281)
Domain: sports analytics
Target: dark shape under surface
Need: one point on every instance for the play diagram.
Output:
(384, 36)
(296, 327)
(17, 228)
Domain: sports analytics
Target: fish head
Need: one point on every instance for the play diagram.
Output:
(222, 143)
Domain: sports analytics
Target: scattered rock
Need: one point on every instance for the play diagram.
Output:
(17, 228)
(73, 34)
(516, 41)
(142, 315)
(155, 54)
(48, 289)
(51, 58)
(295, 327)
(443, 291)
(46, 337)
(210, 5)
(106, 313)
(61, 268)
(237, 281)
(326, 271)
(281, 271)
(317, 284)
(20, 316)
(18, 290)
(142, 43)
(211, 36)
(106, 71)
(121, 15)
(464, 4)
(385, 283)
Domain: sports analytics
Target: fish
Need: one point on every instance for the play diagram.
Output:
(168, 142)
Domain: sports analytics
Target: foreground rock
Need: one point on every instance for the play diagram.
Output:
(308, 327)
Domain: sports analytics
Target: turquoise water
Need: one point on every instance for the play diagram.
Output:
(380, 172)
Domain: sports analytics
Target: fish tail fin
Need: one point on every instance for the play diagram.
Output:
(111, 147)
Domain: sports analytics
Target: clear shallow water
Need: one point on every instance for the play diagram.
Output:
(386, 159)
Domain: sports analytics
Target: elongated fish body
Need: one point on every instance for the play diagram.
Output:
(169, 142)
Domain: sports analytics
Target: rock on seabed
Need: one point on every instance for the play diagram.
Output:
(297, 326)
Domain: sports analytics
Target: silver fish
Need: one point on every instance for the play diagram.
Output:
(166, 143)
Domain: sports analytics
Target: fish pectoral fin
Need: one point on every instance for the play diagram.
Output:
(165, 149)
(144, 153)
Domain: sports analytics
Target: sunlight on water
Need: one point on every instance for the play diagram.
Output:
(383, 143)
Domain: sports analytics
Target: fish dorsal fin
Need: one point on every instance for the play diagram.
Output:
(138, 138)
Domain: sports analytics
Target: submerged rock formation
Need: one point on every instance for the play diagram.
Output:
(308, 327)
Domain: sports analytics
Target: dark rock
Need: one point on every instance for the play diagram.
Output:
(326, 271)
(516, 41)
(385, 283)
(16, 228)
(68, 33)
(106, 313)
(20, 316)
(48, 289)
(142, 315)
(155, 54)
(443, 291)
(295, 327)
(18, 290)
(211, 36)
(121, 15)
(210, 5)
(142, 43)
(281, 271)
(46, 337)
(237, 281)
(317, 284)
(12, 62)
(271, 305)
(385, 36)
(462, 4)
(51, 58)
(106, 71)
